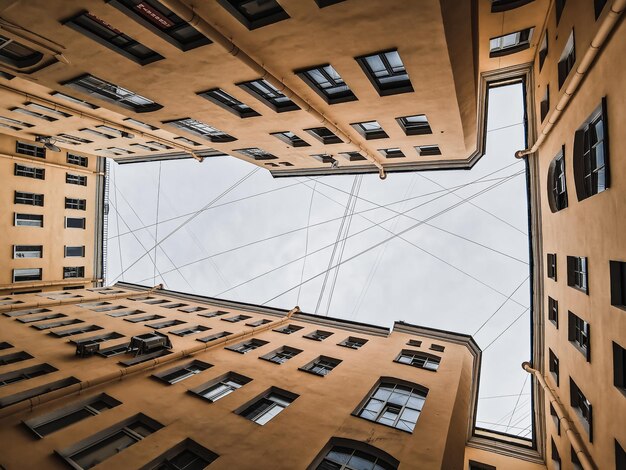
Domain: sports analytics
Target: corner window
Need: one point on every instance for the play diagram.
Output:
(510, 43)
(112, 93)
(557, 186)
(591, 155)
(353, 342)
(281, 355)
(324, 135)
(578, 333)
(321, 365)
(29, 172)
(265, 92)
(268, 406)
(553, 311)
(220, 387)
(18, 55)
(328, 84)
(582, 407)
(415, 125)
(418, 359)
(255, 14)
(577, 274)
(553, 363)
(386, 72)
(290, 139)
(370, 130)
(229, 103)
(180, 373)
(619, 367)
(567, 59)
(618, 283)
(201, 129)
(256, 154)
(551, 265)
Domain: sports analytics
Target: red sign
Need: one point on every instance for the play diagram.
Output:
(153, 15)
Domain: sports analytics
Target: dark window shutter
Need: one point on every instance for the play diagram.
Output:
(579, 170)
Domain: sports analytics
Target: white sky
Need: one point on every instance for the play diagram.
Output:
(427, 277)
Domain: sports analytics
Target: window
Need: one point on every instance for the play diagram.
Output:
(543, 51)
(268, 405)
(47, 326)
(556, 458)
(77, 160)
(386, 72)
(318, 335)
(112, 93)
(71, 251)
(247, 346)
(321, 366)
(370, 130)
(254, 14)
(75, 179)
(620, 457)
(99, 447)
(281, 355)
(77, 204)
(598, 6)
(498, 6)
(553, 311)
(324, 158)
(567, 59)
(75, 222)
(559, 6)
(34, 392)
(555, 419)
(229, 103)
(191, 330)
(33, 319)
(288, 329)
(19, 313)
(578, 334)
(418, 359)
(395, 404)
(191, 309)
(27, 251)
(28, 220)
(557, 189)
(346, 454)
(544, 105)
(415, 125)
(553, 362)
(428, 150)
(201, 129)
(237, 318)
(213, 337)
(473, 465)
(618, 283)
(353, 156)
(162, 22)
(188, 455)
(18, 55)
(328, 84)
(14, 357)
(619, 367)
(180, 373)
(551, 265)
(28, 274)
(256, 154)
(29, 172)
(25, 374)
(105, 34)
(31, 150)
(125, 313)
(73, 100)
(165, 324)
(353, 342)
(75, 331)
(591, 155)
(414, 342)
(577, 275)
(173, 305)
(290, 138)
(393, 152)
(64, 417)
(28, 198)
(510, 43)
(261, 322)
(324, 135)
(269, 95)
(219, 388)
(582, 407)
(217, 313)
(74, 271)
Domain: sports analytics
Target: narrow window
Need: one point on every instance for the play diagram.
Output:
(281, 355)
(559, 6)
(75, 222)
(180, 373)
(229, 103)
(437, 347)
(247, 346)
(188, 455)
(557, 187)
(394, 404)
(328, 84)
(29, 199)
(75, 331)
(551, 265)
(256, 154)
(25, 374)
(567, 59)
(618, 283)
(353, 342)
(370, 130)
(191, 309)
(415, 125)
(73, 100)
(290, 139)
(318, 335)
(619, 367)
(553, 311)
(268, 405)
(577, 273)
(418, 359)
(321, 365)
(17, 54)
(582, 407)
(553, 362)
(219, 388)
(27, 251)
(386, 72)
(544, 106)
(428, 150)
(29, 172)
(47, 326)
(393, 152)
(31, 150)
(173, 305)
(28, 220)
(510, 43)
(543, 51)
(77, 204)
(579, 335)
(201, 129)
(267, 93)
(73, 271)
(414, 342)
(27, 274)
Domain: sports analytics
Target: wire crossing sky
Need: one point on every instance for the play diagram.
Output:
(445, 249)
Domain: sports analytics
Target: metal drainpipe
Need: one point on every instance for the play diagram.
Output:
(571, 433)
(598, 41)
(190, 16)
(123, 373)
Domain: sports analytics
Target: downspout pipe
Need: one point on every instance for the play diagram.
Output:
(605, 28)
(121, 374)
(348, 134)
(566, 426)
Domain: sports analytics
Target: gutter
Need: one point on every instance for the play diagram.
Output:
(605, 28)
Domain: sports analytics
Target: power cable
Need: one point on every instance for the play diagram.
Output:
(501, 305)
(306, 242)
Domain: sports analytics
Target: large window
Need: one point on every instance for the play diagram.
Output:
(386, 72)
(567, 59)
(396, 404)
(255, 14)
(577, 273)
(29, 199)
(419, 359)
(201, 129)
(268, 405)
(578, 333)
(346, 454)
(162, 22)
(16, 54)
(269, 95)
(510, 43)
(591, 155)
(102, 32)
(557, 187)
(328, 84)
(29, 172)
(219, 388)
(582, 407)
(229, 103)
(112, 93)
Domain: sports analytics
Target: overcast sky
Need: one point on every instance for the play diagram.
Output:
(441, 271)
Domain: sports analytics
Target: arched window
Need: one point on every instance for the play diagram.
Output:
(557, 187)
(348, 454)
(591, 154)
(17, 55)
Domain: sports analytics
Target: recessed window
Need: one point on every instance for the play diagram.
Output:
(620, 457)
(112, 93)
(28, 220)
(321, 365)
(281, 355)
(418, 359)
(567, 59)
(36, 391)
(578, 333)
(220, 387)
(247, 346)
(263, 321)
(414, 342)
(14, 357)
(559, 5)
(35, 114)
(180, 373)
(255, 14)
(27, 251)
(353, 342)
(17, 54)
(30, 199)
(76, 204)
(619, 367)
(324, 135)
(75, 331)
(33, 319)
(577, 273)
(173, 305)
(473, 465)
(25, 374)
(544, 105)
(73, 271)
(31, 150)
(163, 22)
(551, 265)
(237, 318)
(216, 313)
(591, 155)
(77, 160)
(102, 32)
(256, 154)
(393, 152)
(188, 455)
(27, 274)
(73, 100)
(555, 419)
(201, 129)
(428, 150)
(557, 195)
(190, 330)
(386, 72)
(553, 311)
(47, 326)
(353, 156)
(437, 347)
(14, 125)
(324, 158)
(267, 93)
(498, 6)
(290, 138)
(543, 50)
(415, 125)
(554, 455)
(268, 406)
(395, 404)
(214, 337)
(598, 6)
(29, 172)
(125, 313)
(288, 329)
(553, 363)
(75, 222)
(165, 324)
(346, 454)
(75, 179)
(229, 103)
(370, 130)
(20, 313)
(510, 43)
(618, 283)
(582, 407)
(318, 335)
(328, 84)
